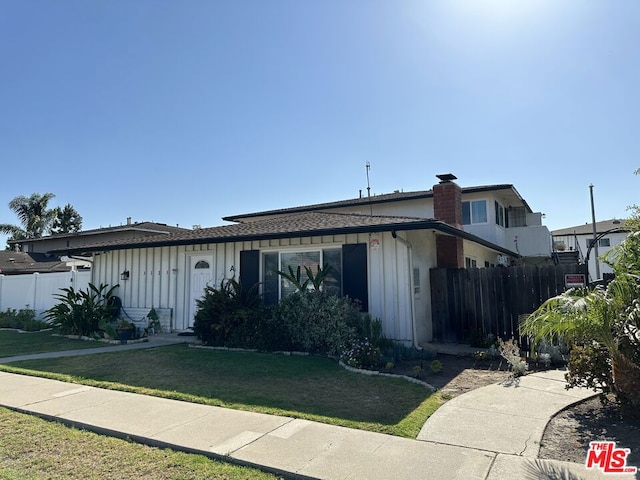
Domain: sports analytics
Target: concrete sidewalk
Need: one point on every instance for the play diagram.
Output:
(489, 433)
(153, 341)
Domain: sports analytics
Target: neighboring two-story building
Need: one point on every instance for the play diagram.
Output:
(380, 249)
(579, 240)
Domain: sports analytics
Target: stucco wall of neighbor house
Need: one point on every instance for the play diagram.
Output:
(160, 276)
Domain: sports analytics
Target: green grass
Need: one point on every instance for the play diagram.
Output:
(36, 449)
(314, 388)
(16, 343)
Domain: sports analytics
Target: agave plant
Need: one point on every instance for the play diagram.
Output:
(315, 279)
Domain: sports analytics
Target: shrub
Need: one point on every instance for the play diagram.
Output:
(510, 351)
(23, 319)
(590, 367)
(318, 322)
(82, 313)
(222, 313)
(361, 354)
(436, 366)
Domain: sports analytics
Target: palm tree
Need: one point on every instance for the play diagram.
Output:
(34, 216)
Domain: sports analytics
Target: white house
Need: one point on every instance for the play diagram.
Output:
(381, 250)
(609, 234)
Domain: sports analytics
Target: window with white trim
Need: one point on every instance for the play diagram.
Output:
(276, 287)
(474, 211)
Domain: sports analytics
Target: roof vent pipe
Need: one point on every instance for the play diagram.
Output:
(128, 220)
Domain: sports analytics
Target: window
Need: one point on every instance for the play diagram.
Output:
(470, 263)
(499, 214)
(517, 217)
(474, 212)
(276, 286)
(416, 281)
(202, 264)
(604, 242)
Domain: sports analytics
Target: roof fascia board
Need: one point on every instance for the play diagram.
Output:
(421, 225)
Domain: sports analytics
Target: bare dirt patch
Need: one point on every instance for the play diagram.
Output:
(568, 434)
(459, 373)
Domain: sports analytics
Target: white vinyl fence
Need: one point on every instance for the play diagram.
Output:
(37, 290)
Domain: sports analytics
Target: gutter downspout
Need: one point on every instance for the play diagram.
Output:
(407, 244)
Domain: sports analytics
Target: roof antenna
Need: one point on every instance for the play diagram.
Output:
(368, 165)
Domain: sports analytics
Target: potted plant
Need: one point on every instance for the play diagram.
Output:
(125, 330)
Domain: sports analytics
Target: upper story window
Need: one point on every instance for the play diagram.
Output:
(499, 214)
(474, 212)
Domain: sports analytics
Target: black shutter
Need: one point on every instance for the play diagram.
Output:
(354, 273)
(249, 269)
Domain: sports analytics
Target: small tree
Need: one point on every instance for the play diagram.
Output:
(67, 220)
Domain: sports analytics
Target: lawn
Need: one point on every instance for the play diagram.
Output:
(18, 343)
(32, 448)
(310, 387)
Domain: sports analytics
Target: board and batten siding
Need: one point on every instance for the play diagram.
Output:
(160, 276)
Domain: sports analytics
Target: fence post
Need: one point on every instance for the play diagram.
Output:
(35, 289)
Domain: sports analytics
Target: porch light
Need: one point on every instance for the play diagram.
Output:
(124, 275)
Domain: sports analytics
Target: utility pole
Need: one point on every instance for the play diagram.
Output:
(595, 233)
(368, 166)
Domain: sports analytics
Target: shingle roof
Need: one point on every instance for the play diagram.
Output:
(587, 228)
(303, 224)
(12, 263)
(376, 199)
(137, 226)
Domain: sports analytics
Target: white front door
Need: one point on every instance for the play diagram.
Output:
(201, 276)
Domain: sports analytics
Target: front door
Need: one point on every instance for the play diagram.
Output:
(201, 276)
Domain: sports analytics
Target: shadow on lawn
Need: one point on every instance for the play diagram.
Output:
(293, 385)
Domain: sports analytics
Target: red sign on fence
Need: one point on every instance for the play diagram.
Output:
(574, 280)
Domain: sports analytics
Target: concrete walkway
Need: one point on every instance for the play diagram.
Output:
(489, 433)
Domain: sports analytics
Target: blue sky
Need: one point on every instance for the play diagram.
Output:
(186, 111)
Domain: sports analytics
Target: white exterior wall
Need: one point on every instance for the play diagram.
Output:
(421, 208)
(424, 259)
(615, 239)
(160, 276)
(532, 241)
(36, 290)
(480, 254)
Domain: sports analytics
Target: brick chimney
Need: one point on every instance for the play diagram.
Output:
(447, 200)
(447, 207)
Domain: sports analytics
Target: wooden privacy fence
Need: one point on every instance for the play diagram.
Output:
(468, 302)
